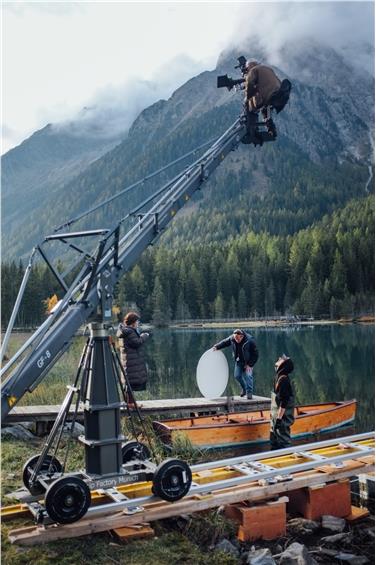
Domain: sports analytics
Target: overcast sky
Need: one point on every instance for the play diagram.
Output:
(61, 56)
(57, 57)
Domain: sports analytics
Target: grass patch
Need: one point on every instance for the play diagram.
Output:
(53, 388)
(207, 528)
(182, 448)
(168, 548)
(190, 546)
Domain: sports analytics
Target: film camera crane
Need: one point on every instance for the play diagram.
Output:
(110, 459)
(256, 132)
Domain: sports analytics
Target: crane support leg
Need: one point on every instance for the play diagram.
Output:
(103, 438)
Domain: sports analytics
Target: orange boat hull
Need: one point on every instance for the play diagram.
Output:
(242, 428)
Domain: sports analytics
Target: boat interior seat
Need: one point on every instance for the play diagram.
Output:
(245, 420)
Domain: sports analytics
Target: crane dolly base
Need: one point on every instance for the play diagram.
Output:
(110, 460)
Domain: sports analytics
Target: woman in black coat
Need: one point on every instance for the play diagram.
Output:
(130, 351)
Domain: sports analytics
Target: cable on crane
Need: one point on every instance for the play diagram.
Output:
(132, 186)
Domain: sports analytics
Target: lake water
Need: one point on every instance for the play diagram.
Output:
(332, 362)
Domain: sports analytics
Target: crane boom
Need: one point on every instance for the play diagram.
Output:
(93, 287)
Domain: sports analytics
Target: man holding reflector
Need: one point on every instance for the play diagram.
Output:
(245, 354)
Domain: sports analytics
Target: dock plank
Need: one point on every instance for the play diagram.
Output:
(161, 406)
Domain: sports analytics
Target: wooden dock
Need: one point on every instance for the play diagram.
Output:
(170, 406)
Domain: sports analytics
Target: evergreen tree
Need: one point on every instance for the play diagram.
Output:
(219, 307)
(161, 309)
(182, 311)
(338, 276)
(242, 303)
(138, 286)
(232, 312)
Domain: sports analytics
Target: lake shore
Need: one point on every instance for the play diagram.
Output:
(249, 323)
(214, 324)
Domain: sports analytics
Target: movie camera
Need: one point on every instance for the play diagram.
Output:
(230, 83)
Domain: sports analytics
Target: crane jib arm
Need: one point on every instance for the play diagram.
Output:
(58, 337)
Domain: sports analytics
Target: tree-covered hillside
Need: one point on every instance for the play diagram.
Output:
(326, 269)
(276, 189)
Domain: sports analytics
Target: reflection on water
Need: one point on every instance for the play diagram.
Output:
(331, 363)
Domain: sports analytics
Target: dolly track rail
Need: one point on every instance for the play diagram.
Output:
(344, 457)
(263, 467)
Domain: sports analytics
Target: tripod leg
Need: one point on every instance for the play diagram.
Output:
(59, 422)
(123, 383)
(62, 417)
(120, 366)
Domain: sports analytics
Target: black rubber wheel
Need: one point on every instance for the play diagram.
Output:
(134, 450)
(172, 479)
(67, 500)
(49, 463)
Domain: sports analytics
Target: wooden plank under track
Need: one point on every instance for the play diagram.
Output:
(160, 509)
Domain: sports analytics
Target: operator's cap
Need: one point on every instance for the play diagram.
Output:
(238, 331)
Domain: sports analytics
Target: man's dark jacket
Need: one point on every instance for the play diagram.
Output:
(249, 349)
(131, 356)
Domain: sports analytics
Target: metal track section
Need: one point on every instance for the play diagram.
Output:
(268, 468)
(262, 467)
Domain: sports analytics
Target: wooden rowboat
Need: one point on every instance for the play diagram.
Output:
(243, 428)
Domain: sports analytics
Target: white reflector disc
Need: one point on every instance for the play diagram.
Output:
(212, 374)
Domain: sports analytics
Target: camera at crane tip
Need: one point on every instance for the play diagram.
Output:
(224, 81)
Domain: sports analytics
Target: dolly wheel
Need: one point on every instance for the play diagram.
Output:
(49, 465)
(172, 479)
(67, 500)
(134, 450)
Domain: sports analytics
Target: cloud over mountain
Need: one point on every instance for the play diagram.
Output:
(345, 26)
(113, 108)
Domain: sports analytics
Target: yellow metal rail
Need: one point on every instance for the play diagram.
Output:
(236, 471)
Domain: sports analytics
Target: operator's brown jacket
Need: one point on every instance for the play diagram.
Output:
(261, 83)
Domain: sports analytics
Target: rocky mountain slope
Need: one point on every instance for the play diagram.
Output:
(35, 171)
(319, 161)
